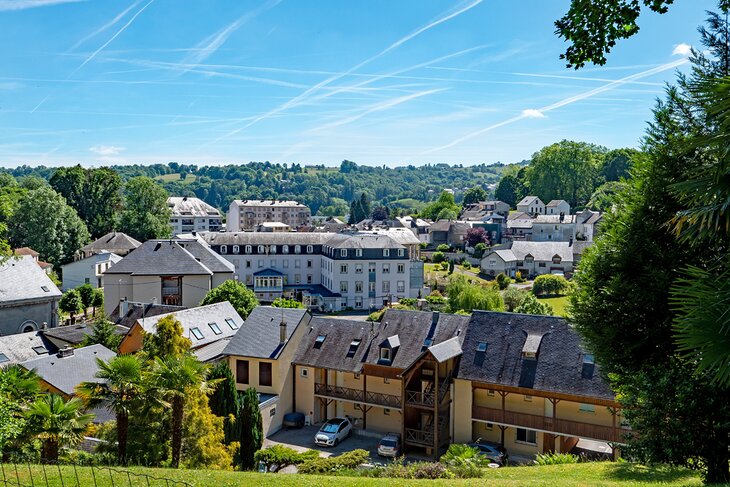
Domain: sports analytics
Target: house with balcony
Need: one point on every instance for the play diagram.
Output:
(177, 272)
(527, 382)
(260, 355)
(394, 375)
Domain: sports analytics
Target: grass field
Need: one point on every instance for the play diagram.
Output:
(189, 178)
(558, 304)
(583, 474)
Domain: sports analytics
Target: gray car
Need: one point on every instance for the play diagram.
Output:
(333, 432)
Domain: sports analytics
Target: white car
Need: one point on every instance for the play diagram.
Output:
(333, 432)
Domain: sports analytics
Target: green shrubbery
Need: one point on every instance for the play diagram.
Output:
(376, 315)
(347, 461)
(286, 303)
(408, 302)
(550, 285)
(443, 248)
(445, 265)
(519, 278)
(503, 281)
(278, 457)
(438, 257)
(556, 458)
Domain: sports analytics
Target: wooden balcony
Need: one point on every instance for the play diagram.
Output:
(428, 399)
(543, 423)
(357, 396)
(419, 437)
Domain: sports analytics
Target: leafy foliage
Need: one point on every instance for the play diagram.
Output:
(513, 298)
(252, 436)
(530, 305)
(278, 457)
(104, 332)
(468, 296)
(550, 285)
(443, 208)
(475, 236)
(474, 195)
(56, 422)
(167, 341)
(238, 294)
(556, 458)
(346, 461)
(224, 401)
(146, 214)
(503, 281)
(71, 303)
(287, 303)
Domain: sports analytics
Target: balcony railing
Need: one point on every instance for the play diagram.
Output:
(427, 399)
(559, 426)
(357, 395)
(419, 437)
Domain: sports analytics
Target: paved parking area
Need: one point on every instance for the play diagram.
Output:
(303, 439)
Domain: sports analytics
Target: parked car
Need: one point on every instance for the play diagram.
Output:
(493, 451)
(333, 432)
(390, 445)
(293, 420)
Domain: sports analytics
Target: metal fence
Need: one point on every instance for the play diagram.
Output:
(72, 475)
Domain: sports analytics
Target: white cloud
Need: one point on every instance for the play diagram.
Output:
(532, 113)
(24, 4)
(682, 50)
(106, 150)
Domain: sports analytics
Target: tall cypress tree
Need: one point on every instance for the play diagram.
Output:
(224, 401)
(252, 435)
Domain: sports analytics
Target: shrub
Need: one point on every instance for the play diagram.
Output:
(479, 250)
(286, 303)
(349, 460)
(513, 298)
(464, 461)
(278, 457)
(468, 296)
(427, 470)
(466, 264)
(443, 248)
(376, 315)
(518, 277)
(556, 458)
(408, 301)
(444, 266)
(503, 281)
(438, 257)
(532, 306)
(550, 284)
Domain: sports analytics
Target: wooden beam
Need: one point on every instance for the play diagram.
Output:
(546, 394)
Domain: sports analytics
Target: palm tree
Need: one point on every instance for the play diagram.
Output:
(174, 378)
(55, 422)
(122, 386)
(19, 383)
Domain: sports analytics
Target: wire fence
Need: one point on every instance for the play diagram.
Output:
(72, 475)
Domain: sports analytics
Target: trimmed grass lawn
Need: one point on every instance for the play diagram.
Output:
(558, 304)
(604, 474)
(189, 178)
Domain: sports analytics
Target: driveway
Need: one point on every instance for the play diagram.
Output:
(303, 439)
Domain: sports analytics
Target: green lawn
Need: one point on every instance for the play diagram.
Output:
(558, 304)
(584, 474)
(189, 178)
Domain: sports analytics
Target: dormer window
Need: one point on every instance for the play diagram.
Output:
(261, 249)
(386, 252)
(343, 252)
(401, 252)
(248, 249)
(236, 249)
(224, 249)
(310, 249)
(358, 252)
(285, 249)
(232, 324)
(272, 249)
(529, 259)
(353, 347)
(297, 249)
(556, 259)
(319, 341)
(385, 353)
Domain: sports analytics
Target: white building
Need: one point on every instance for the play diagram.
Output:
(360, 270)
(88, 270)
(530, 259)
(531, 205)
(249, 214)
(192, 215)
(557, 207)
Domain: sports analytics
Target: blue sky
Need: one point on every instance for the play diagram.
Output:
(376, 81)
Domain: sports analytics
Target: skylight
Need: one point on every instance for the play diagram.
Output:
(232, 324)
(4, 358)
(482, 347)
(319, 341)
(588, 358)
(45, 289)
(197, 333)
(40, 350)
(216, 329)
(353, 347)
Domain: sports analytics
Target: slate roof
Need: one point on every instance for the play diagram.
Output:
(74, 334)
(362, 240)
(580, 246)
(555, 203)
(24, 346)
(559, 365)
(112, 242)
(136, 311)
(527, 200)
(182, 206)
(212, 351)
(270, 203)
(259, 335)
(200, 317)
(555, 219)
(411, 327)
(542, 251)
(265, 238)
(172, 257)
(66, 373)
(21, 279)
(519, 215)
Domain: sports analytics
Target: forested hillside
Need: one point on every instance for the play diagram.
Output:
(326, 190)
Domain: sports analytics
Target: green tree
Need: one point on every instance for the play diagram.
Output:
(592, 27)
(565, 171)
(224, 401)
(167, 341)
(513, 298)
(617, 163)
(444, 206)
(121, 388)
(604, 197)
(467, 296)
(474, 195)
(252, 436)
(146, 214)
(203, 443)
(360, 209)
(104, 332)
(18, 386)
(46, 223)
(87, 296)
(530, 305)
(550, 285)
(176, 379)
(97, 300)
(71, 303)
(510, 190)
(278, 457)
(56, 422)
(238, 294)
(287, 303)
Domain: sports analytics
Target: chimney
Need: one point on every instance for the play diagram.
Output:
(282, 330)
(65, 352)
(123, 307)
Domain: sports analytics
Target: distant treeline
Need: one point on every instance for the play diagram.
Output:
(326, 190)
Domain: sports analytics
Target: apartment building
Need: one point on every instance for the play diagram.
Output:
(332, 271)
(247, 215)
(177, 272)
(189, 215)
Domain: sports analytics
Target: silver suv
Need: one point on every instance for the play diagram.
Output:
(390, 445)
